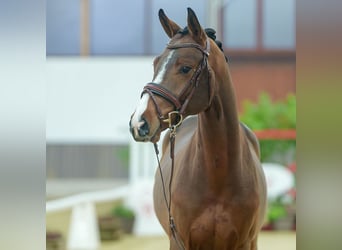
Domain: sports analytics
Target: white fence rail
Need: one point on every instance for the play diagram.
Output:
(94, 197)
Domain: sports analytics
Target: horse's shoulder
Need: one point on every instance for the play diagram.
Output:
(189, 123)
(184, 132)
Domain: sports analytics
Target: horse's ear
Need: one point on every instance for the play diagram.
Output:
(170, 27)
(195, 28)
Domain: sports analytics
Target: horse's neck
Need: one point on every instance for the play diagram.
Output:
(219, 129)
(219, 134)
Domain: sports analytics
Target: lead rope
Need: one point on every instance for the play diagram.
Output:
(168, 204)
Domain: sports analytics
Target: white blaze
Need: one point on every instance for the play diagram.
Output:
(142, 105)
(160, 75)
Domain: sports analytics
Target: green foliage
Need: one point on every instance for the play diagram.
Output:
(266, 114)
(276, 210)
(123, 155)
(122, 211)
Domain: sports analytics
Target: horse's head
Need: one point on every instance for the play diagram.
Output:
(183, 82)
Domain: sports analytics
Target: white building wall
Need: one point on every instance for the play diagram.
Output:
(90, 100)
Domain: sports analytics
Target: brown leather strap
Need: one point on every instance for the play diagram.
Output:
(160, 115)
(191, 45)
(163, 92)
(172, 224)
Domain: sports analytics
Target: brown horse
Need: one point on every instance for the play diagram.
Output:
(218, 192)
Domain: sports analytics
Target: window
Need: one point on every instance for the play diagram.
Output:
(117, 27)
(62, 27)
(240, 19)
(259, 25)
(129, 27)
(279, 24)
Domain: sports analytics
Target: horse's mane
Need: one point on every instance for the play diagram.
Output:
(211, 33)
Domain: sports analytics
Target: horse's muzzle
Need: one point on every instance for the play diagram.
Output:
(140, 131)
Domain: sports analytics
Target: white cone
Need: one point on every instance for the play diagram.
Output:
(83, 231)
(140, 200)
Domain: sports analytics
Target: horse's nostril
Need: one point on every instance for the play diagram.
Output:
(144, 129)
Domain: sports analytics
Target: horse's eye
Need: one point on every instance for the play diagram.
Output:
(185, 69)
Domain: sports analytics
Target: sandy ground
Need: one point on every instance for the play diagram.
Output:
(267, 241)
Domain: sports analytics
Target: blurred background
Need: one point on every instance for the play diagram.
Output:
(99, 56)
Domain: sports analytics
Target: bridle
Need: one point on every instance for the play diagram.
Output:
(180, 102)
(175, 117)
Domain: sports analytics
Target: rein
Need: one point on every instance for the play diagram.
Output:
(175, 119)
(168, 204)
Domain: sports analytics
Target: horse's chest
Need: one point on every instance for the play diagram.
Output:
(207, 221)
(212, 228)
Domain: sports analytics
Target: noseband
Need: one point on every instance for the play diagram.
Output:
(179, 102)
